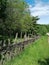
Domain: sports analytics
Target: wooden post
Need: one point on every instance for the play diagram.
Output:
(4, 43)
(25, 37)
(28, 36)
(8, 41)
(15, 38)
(48, 37)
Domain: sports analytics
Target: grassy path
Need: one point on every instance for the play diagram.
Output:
(33, 53)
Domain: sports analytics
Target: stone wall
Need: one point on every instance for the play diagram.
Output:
(9, 52)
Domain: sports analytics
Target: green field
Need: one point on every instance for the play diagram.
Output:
(33, 54)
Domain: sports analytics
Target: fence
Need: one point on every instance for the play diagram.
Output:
(9, 52)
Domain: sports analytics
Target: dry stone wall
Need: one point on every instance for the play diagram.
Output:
(9, 52)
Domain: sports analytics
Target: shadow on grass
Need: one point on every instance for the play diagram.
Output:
(44, 62)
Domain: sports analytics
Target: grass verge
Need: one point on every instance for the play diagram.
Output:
(33, 53)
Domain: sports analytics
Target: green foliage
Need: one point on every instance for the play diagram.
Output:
(15, 17)
(47, 26)
(41, 29)
(2, 15)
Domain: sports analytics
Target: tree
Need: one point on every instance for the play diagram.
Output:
(15, 17)
(11, 13)
(2, 16)
(42, 30)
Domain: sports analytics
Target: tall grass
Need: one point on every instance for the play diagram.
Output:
(32, 53)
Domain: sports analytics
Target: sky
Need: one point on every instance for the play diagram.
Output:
(39, 8)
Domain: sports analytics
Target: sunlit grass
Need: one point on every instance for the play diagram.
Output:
(32, 53)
